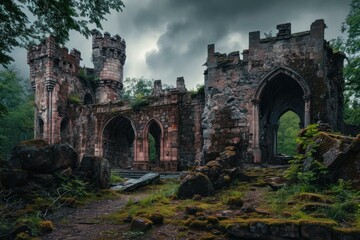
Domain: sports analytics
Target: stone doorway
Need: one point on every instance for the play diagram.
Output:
(153, 144)
(280, 91)
(118, 142)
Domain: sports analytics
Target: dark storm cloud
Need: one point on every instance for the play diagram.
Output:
(168, 38)
(192, 25)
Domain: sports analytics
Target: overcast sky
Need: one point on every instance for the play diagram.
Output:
(168, 38)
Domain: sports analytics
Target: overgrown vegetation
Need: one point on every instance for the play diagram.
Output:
(200, 90)
(313, 171)
(16, 111)
(32, 209)
(74, 99)
(350, 45)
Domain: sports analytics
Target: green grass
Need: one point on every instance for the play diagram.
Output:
(114, 178)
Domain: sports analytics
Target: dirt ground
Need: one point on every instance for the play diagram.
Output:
(87, 222)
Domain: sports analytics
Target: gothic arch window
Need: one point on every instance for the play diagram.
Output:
(153, 143)
(40, 128)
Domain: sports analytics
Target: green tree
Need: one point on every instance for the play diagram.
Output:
(17, 123)
(351, 47)
(23, 21)
(137, 88)
(287, 133)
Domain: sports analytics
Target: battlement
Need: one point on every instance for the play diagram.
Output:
(284, 32)
(259, 46)
(50, 49)
(221, 59)
(111, 47)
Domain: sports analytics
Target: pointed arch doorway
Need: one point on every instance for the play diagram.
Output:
(154, 144)
(118, 142)
(279, 91)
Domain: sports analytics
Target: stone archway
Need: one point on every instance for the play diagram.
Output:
(39, 128)
(118, 141)
(64, 129)
(279, 90)
(153, 129)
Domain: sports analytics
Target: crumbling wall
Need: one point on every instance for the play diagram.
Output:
(234, 88)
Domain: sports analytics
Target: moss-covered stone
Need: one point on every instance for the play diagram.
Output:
(198, 225)
(141, 224)
(46, 226)
(212, 220)
(315, 197)
(235, 202)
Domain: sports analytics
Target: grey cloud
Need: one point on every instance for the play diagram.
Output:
(183, 29)
(215, 20)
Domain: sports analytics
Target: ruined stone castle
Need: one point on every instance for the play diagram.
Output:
(242, 101)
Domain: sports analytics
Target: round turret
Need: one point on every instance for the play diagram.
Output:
(108, 58)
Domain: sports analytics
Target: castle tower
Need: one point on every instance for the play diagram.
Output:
(53, 71)
(108, 58)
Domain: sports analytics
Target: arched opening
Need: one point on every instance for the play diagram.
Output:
(64, 130)
(289, 126)
(40, 128)
(154, 144)
(88, 99)
(279, 91)
(118, 142)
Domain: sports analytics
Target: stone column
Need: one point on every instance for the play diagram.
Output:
(255, 131)
(306, 110)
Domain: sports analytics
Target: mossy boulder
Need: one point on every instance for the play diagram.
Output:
(315, 197)
(46, 227)
(192, 210)
(37, 156)
(10, 178)
(195, 183)
(235, 202)
(156, 218)
(198, 225)
(95, 170)
(141, 224)
(339, 154)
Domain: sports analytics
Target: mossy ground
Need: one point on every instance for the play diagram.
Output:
(335, 207)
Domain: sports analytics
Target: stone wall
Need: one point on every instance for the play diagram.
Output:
(246, 97)
(241, 104)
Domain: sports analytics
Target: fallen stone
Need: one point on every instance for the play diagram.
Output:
(133, 184)
(235, 202)
(95, 170)
(195, 183)
(37, 156)
(141, 224)
(64, 156)
(45, 180)
(275, 183)
(192, 210)
(10, 178)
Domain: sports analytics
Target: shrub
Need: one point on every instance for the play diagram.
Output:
(304, 168)
(74, 99)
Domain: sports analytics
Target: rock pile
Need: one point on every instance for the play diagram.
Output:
(215, 175)
(340, 155)
(37, 162)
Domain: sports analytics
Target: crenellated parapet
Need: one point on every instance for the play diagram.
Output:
(109, 59)
(48, 60)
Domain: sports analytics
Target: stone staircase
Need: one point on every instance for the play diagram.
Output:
(134, 174)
